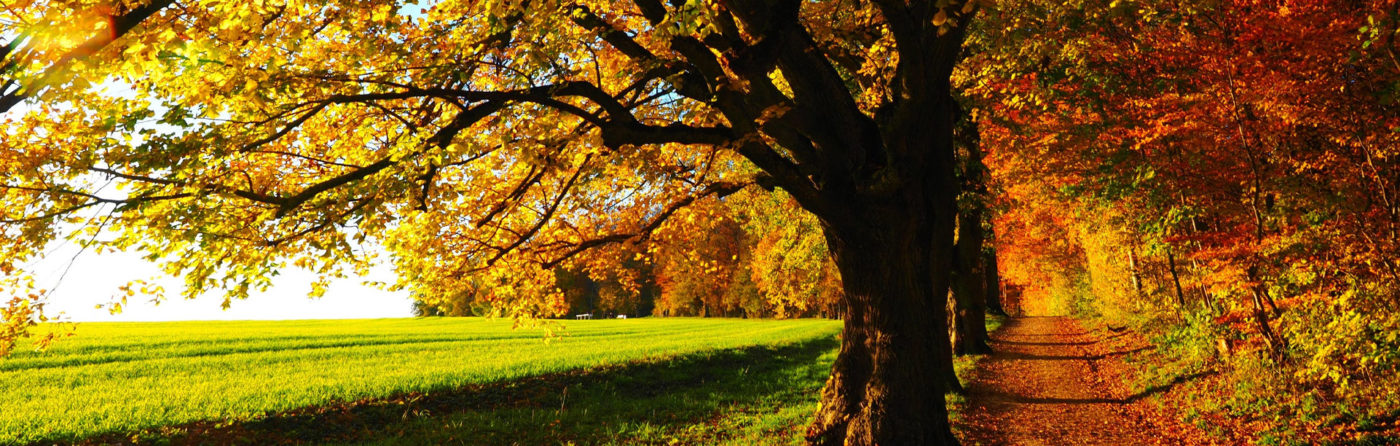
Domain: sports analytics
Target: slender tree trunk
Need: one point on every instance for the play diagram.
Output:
(1176, 280)
(1206, 299)
(1201, 288)
(1275, 342)
(992, 282)
(950, 374)
(1133, 268)
(1269, 300)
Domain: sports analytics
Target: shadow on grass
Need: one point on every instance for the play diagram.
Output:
(746, 396)
(1000, 341)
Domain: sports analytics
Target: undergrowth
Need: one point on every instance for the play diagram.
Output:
(1222, 381)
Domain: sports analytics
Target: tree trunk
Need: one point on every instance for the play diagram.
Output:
(968, 330)
(1133, 268)
(884, 387)
(1201, 288)
(1275, 342)
(893, 245)
(889, 220)
(992, 284)
(1176, 280)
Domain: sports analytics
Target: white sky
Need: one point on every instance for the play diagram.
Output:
(93, 279)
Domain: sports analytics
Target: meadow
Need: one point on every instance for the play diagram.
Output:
(438, 380)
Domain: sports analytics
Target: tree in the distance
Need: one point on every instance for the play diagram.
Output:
(971, 279)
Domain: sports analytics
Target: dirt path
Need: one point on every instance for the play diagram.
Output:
(1052, 382)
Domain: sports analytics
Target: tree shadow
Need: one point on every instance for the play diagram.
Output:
(1009, 356)
(163, 351)
(1009, 324)
(1043, 343)
(1022, 399)
(1050, 335)
(1178, 380)
(660, 397)
(995, 397)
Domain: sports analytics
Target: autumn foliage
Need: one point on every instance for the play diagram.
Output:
(486, 147)
(760, 256)
(751, 254)
(1224, 173)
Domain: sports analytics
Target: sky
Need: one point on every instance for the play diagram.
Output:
(79, 281)
(93, 279)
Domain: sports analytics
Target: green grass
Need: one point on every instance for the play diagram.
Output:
(750, 396)
(413, 380)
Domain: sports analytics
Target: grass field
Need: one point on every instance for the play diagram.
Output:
(407, 381)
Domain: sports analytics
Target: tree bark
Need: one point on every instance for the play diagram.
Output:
(1259, 295)
(885, 387)
(993, 281)
(1201, 287)
(1133, 268)
(1176, 280)
(1275, 342)
(884, 189)
(893, 244)
(968, 330)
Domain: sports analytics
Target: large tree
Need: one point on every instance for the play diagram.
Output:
(484, 143)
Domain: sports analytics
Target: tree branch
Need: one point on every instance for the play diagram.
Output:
(119, 25)
(720, 189)
(546, 216)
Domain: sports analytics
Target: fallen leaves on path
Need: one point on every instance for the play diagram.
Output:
(1054, 382)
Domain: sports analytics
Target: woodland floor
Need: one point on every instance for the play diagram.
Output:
(1051, 381)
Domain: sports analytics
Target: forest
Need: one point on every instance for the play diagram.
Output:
(1219, 178)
